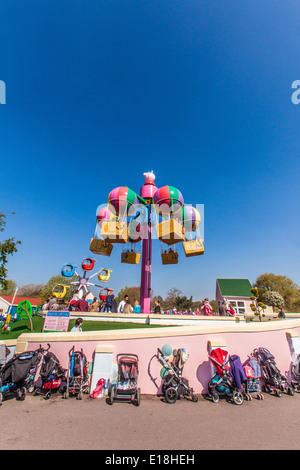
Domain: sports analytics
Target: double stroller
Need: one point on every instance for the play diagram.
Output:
(126, 387)
(229, 378)
(77, 374)
(17, 375)
(52, 376)
(274, 381)
(174, 385)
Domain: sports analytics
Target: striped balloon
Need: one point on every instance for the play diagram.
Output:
(168, 200)
(122, 201)
(104, 215)
(190, 218)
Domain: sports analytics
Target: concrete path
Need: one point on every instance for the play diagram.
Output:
(273, 423)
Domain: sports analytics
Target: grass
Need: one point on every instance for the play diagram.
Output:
(23, 326)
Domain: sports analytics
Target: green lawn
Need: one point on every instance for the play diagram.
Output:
(23, 326)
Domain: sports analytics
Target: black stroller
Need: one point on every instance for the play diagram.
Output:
(52, 376)
(274, 381)
(295, 374)
(174, 385)
(77, 374)
(17, 375)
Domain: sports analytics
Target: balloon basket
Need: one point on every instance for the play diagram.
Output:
(169, 258)
(115, 232)
(170, 232)
(100, 247)
(193, 247)
(129, 257)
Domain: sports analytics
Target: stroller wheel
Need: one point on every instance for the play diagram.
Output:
(171, 395)
(237, 397)
(278, 392)
(195, 398)
(21, 394)
(47, 396)
(290, 391)
(79, 396)
(215, 398)
(31, 388)
(137, 399)
(111, 393)
(66, 394)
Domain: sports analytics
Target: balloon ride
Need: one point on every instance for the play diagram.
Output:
(129, 218)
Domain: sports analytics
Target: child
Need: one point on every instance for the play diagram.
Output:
(136, 307)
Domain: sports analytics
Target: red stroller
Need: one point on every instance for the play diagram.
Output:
(223, 383)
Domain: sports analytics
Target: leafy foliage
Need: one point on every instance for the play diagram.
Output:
(7, 247)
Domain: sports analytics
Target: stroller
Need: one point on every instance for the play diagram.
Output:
(77, 374)
(253, 373)
(17, 375)
(126, 387)
(52, 376)
(174, 385)
(274, 381)
(295, 374)
(229, 377)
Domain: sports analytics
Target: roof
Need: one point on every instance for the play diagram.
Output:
(235, 287)
(9, 299)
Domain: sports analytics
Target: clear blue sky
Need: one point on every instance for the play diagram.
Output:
(199, 92)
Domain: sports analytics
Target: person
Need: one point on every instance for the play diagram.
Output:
(127, 307)
(114, 305)
(77, 327)
(281, 313)
(222, 309)
(81, 305)
(136, 306)
(94, 307)
(122, 304)
(55, 305)
(108, 301)
(157, 308)
(231, 311)
(45, 305)
(51, 302)
(206, 307)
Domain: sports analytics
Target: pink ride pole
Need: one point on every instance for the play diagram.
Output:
(147, 192)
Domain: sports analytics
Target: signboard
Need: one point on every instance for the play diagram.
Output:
(56, 321)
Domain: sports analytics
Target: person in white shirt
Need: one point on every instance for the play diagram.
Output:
(122, 304)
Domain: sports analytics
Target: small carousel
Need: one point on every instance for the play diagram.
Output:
(128, 219)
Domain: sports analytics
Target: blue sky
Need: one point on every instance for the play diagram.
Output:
(99, 92)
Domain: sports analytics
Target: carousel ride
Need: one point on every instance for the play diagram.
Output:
(130, 218)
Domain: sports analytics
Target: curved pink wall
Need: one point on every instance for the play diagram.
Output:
(197, 369)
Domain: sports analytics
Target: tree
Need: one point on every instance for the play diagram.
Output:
(274, 299)
(257, 307)
(281, 284)
(170, 300)
(7, 247)
(48, 288)
(10, 287)
(31, 290)
(132, 292)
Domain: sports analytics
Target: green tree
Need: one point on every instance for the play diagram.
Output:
(7, 247)
(10, 287)
(281, 284)
(48, 288)
(257, 306)
(274, 299)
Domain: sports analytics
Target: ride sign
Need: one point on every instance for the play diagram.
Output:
(56, 321)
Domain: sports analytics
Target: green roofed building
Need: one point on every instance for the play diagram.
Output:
(235, 292)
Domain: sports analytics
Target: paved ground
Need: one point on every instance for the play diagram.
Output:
(273, 423)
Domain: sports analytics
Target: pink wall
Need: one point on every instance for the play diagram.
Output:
(197, 369)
